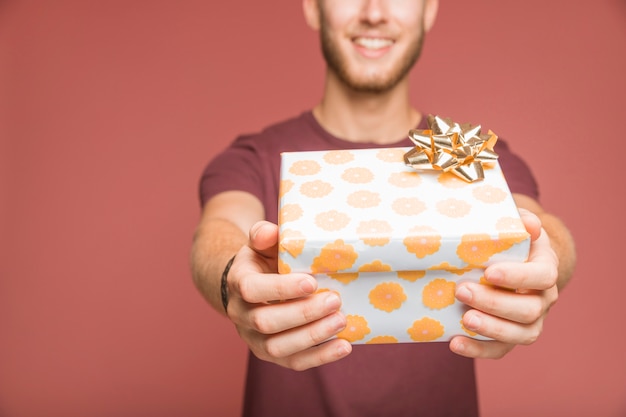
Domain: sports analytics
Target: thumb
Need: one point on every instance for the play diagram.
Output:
(263, 239)
(531, 223)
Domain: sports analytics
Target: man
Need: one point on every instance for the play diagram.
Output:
(294, 370)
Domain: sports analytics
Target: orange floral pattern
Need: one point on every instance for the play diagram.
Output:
(476, 249)
(387, 296)
(363, 199)
(283, 268)
(376, 266)
(405, 179)
(449, 180)
(512, 231)
(391, 155)
(426, 330)
(345, 277)
(292, 242)
(445, 266)
(453, 207)
(338, 157)
(284, 187)
(422, 241)
(334, 257)
(438, 294)
(316, 189)
(289, 213)
(483, 281)
(356, 329)
(489, 194)
(411, 276)
(510, 225)
(306, 167)
(408, 206)
(357, 175)
(466, 330)
(332, 220)
(380, 340)
(374, 232)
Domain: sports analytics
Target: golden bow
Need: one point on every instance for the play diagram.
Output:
(451, 147)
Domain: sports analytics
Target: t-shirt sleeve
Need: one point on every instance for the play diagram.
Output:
(235, 168)
(516, 171)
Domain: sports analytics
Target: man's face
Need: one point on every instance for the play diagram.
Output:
(371, 45)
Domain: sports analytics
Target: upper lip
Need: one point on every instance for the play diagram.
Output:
(365, 40)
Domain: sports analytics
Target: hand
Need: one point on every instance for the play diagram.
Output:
(280, 317)
(510, 317)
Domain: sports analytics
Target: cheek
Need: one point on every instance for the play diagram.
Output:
(407, 13)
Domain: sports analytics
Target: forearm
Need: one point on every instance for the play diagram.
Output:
(215, 242)
(223, 230)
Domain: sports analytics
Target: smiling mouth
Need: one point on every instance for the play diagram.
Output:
(373, 43)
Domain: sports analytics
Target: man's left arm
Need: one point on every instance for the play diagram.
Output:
(561, 239)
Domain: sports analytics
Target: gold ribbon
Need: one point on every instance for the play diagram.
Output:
(451, 147)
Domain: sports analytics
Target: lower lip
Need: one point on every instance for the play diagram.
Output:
(372, 53)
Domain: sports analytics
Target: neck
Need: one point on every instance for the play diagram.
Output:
(366, 117)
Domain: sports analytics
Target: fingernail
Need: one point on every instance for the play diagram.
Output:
(494, 275)
(333, 302)
(337, 322)
(473, 323)
(463, 294)
(458, 345)
(343, 349)
(307, 285)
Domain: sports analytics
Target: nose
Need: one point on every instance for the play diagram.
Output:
(373, 11)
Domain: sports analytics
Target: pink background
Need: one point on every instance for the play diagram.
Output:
(109, 111)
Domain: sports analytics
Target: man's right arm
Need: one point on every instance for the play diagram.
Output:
(221, 233)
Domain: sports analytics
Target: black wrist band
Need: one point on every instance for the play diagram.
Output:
(224, 283)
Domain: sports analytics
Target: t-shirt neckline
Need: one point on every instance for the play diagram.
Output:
(336, 142)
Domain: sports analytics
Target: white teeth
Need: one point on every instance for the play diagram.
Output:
(373, 43)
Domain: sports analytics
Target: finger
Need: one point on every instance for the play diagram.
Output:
(275, 318)
(256, 288)
(480, 349)
(322, 354)
(502, 330)
(540, 272)
(263, 238)
(290, 342)
(522, 308)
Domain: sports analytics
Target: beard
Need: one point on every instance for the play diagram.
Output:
(370, 83)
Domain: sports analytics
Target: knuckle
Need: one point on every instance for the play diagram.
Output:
(315, 336)
(499, 353)
(322, 331)
(245, 289)
(281, 292)
(553, 276)
(497, 333)
(259, 322)
(553, 297)
(297, 364)
(492, 303)
(532, 313)
(310, 312)
(533, 334)
(273, 349)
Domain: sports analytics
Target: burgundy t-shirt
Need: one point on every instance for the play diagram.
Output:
(407, 379)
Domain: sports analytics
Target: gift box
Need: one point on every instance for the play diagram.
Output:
(392, 240)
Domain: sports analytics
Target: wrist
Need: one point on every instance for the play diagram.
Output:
(224, 284)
